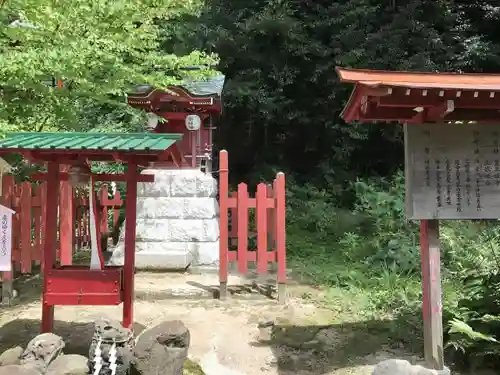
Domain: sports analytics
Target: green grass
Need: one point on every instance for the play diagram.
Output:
(192, 368)
(382, 305)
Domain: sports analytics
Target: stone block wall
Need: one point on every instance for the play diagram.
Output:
(177, 221)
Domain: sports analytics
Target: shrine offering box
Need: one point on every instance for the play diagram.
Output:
(77, 285)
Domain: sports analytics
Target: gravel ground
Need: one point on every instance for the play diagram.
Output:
(225, 339)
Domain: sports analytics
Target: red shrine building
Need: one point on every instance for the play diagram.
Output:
(177, 216)
(192, 110)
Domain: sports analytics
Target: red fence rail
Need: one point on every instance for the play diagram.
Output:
(28, 202)
(269, 212)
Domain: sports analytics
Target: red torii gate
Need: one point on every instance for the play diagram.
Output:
(80, 285)
(412, 99)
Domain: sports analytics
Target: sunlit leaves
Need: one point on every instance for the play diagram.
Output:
(98, 47)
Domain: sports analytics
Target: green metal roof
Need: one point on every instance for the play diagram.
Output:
(89, 141)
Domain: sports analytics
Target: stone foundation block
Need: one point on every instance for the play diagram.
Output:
(178, 208)
(172, 255)
(190, 230)
(177, 221)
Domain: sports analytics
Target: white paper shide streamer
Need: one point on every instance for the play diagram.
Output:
(98, 358)
(95, 262)
(112, 359)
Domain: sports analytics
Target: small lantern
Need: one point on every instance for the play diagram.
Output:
(193, 122)
(79, 175)
(152, 121)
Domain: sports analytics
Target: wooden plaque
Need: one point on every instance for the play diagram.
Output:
(452, 171)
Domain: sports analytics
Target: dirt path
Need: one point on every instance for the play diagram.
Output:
(305, 340)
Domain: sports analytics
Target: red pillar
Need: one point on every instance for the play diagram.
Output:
(49, 246)
(66, 224)
(280, 232)
(129, 264)
(431, 293)
(223, 222)
(194, 139)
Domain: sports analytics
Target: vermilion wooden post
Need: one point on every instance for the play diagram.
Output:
(431, 294)
(223, 222)
(242, 213)
(25, 233)
(116, 210)
(280, 233)
(7, 195)
(66, 224)
(104, 201)
(81, 222)
(37, 222)
(261, 217)
(74, 204)
(49, 248)
(194, 137)
(129, 263)
(77, 227)
(271, 222)
(86, 223)
(43, 223)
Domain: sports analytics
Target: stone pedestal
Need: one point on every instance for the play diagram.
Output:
(177, 221)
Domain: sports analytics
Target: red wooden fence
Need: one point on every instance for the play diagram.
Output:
(270, 211)
(28, 201)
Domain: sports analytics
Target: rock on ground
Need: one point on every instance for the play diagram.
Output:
(162, 349)
(11, 356)
(402, 367)
(18, 370)
(69, 364)
(41, 351)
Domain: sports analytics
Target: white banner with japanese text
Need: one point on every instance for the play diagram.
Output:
(6, 238)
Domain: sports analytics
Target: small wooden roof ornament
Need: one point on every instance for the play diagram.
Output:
(418, 97)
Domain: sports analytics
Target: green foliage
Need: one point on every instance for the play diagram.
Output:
(395, 244)
(374, 252)
(475, 329)
(282, 97)
(99, 48)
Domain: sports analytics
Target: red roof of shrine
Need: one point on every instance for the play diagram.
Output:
(416, 97)
(175, 99)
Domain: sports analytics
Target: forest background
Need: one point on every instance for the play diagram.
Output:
(347, 231)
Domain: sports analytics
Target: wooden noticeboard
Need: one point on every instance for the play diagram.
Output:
(452, 171)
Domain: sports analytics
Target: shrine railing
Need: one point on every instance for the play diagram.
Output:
(256, 236)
